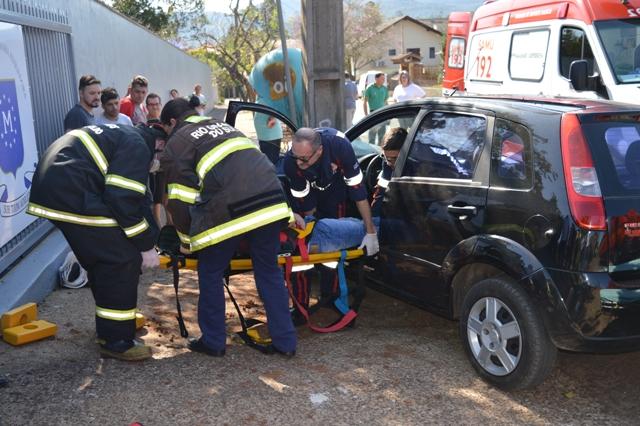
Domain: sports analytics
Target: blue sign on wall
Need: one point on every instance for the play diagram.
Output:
(11, 146)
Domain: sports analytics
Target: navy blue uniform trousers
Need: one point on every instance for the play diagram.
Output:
(113, 265)
(264, 244)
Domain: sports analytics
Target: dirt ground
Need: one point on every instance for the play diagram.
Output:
(400, 365)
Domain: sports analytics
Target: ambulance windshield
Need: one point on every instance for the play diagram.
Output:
(621, 42)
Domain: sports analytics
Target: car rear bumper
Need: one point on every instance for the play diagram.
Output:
(582, 314)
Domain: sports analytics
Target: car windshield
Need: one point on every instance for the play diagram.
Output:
(621, 42)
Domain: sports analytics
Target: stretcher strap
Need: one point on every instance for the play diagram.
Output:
(338, 325)
(244, 334)
(342, 301)
(302, 247)
(176, 282)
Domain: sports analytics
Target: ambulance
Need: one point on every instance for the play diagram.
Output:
(575, 48)
(457, 35)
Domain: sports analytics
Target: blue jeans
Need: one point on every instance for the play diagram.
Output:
(337, 234)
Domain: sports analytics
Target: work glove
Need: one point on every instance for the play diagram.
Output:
(370, 243)
(150, 259)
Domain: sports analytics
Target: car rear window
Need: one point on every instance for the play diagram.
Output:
(510, 156)
(615, 144)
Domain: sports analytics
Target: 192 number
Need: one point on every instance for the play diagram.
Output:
(483, 70)
(634, 13)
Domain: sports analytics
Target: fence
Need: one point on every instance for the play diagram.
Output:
(51, 78)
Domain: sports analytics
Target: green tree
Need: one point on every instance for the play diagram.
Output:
(361, 37)
(173, 20)
(239, 40)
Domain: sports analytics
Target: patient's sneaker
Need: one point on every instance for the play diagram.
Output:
(125, 350)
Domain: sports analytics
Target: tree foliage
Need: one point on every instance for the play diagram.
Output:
(170, 19)
(240, 39)
(361, 38)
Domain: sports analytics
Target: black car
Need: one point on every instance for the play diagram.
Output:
(519, 217)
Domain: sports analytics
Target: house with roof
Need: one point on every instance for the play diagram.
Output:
(406, 40)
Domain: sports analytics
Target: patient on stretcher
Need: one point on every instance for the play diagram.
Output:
(331, 235)
(326, 236)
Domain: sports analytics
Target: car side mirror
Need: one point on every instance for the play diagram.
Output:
(578, 74)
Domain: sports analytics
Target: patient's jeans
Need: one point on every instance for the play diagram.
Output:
(337, 234)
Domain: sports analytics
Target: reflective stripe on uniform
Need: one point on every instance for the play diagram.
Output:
(217, 154)
(93, 149)
(196, 118)
(61, 216)
(183, 193)
(303, 193)
(383, 183)
(125, 183)
(134, 230)
(116, 314)
(184, 238)
(353, 181)
(240, 226)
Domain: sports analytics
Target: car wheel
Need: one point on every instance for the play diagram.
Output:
(504, 336)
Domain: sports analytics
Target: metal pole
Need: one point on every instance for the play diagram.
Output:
(285, 58)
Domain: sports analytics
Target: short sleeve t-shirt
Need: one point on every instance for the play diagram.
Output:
(412, 91)
(122, 119)
(376, 96)
(77, 117)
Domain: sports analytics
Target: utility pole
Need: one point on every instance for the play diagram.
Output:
(287, 75)
(323, 38)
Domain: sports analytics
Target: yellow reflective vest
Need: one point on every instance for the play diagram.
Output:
(220, 185)
(96, 176)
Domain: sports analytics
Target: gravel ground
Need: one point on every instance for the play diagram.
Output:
(399, 365)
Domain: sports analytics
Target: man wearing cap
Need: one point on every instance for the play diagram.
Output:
(91, 183)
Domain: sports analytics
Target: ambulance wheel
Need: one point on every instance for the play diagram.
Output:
(504, 336)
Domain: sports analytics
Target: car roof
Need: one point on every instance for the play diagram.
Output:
(538, 103)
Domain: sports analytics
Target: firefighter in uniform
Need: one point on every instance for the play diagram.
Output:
(91, 183)
(222, 189)
(323, 174)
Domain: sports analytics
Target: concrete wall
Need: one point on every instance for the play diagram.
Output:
(114, 49)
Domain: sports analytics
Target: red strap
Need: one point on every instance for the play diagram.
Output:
(302, 247)
(339, 325)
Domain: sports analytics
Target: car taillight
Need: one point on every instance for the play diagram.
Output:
(583, 189)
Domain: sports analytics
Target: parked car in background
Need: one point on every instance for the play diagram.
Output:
(366, 79)
(518, 217)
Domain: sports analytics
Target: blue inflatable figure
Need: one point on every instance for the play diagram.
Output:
(267, 79)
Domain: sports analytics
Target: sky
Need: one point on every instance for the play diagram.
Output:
(222, 6)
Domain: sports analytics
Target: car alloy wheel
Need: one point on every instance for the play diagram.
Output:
(494, 336)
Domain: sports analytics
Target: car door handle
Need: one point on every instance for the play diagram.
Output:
(462, 211)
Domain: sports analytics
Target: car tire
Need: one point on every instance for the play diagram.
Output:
(509, 347)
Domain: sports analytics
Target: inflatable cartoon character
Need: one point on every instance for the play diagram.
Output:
(267, 79)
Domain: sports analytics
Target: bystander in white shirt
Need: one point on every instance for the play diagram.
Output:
(406, 90)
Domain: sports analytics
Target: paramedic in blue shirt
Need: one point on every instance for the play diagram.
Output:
(324, 173)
